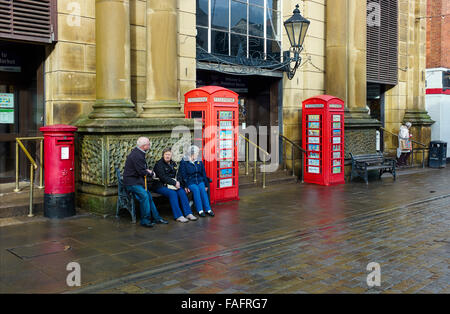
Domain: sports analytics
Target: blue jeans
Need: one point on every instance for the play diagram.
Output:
(148, 208)
(173, 197)
(201, 199)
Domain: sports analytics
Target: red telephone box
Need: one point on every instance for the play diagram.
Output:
(218, 110)
(323, 140)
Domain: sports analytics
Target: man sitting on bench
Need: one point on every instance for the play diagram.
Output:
(134, 180)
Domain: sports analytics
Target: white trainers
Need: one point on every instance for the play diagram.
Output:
(191, 217)
(182, 219)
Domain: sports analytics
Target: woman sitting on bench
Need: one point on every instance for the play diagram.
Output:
(167, 185)
(193, 177)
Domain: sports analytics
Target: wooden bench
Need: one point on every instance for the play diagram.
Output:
(125, 199)
(362, 164)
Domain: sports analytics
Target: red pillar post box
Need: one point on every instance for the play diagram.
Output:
(218, 110)
(59, 171)
(323, 140)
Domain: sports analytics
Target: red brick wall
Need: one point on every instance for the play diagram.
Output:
(438, 34)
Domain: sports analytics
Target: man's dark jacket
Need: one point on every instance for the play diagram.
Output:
(135, 168)
(165, 172)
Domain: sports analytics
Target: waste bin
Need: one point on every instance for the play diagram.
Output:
(438, 154)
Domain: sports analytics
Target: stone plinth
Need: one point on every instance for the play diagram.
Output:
(104, 144)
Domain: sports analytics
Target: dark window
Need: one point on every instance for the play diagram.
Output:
(256, 47)
(238, 45)
(202, 12)
(273, 50)
(382, 42)
(256, 21)
(219, 42)
(202, 37)
(238, 17)
(446, 80)
(272, 24)
(219, 14)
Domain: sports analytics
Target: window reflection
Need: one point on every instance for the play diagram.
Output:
(273, 50)
(256, 21)
(238, 45)
(272, 24)
(240, 27)
(219, 42)
(219, 14)
(256, 47)
(238, 17)
(202, 37)
(202, 12)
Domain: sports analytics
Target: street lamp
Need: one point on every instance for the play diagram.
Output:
(296, 27)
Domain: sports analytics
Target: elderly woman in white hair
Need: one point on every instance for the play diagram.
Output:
(193, 178)
(404, 144)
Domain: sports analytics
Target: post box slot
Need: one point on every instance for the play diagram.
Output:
(64, 142)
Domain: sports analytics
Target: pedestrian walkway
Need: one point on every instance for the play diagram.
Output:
(292, 238)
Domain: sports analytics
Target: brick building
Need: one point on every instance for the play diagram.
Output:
(438, 68)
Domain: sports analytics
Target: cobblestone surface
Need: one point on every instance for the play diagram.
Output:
(284, 239)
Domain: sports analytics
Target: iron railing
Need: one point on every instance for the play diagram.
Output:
(423, 148)
(293, 147)
(256, 148)
(33, 166)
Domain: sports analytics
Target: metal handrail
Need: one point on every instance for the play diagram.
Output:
(293, 145)
(33, 166)
(423, 148)
(247, 142)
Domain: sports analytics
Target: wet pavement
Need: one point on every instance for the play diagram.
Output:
(294, 238)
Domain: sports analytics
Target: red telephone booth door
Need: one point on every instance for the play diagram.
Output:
(315, 146)
(336, 170)
(226, 152)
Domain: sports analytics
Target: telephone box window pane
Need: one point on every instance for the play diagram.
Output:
(219, 42)
(256, 47)
(238, 45)
(226, 115)
(239, 17)
(225, 173)
(202, 38)
(225, 183)
(202, 12)
(219, 14)
(256, 21)
(225, 164)
(313, 132)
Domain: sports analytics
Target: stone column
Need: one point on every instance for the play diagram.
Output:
(162, 61)
(415, 105)
(112, 32)
(346, 71)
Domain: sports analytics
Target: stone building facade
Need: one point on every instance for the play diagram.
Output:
(120, 68)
